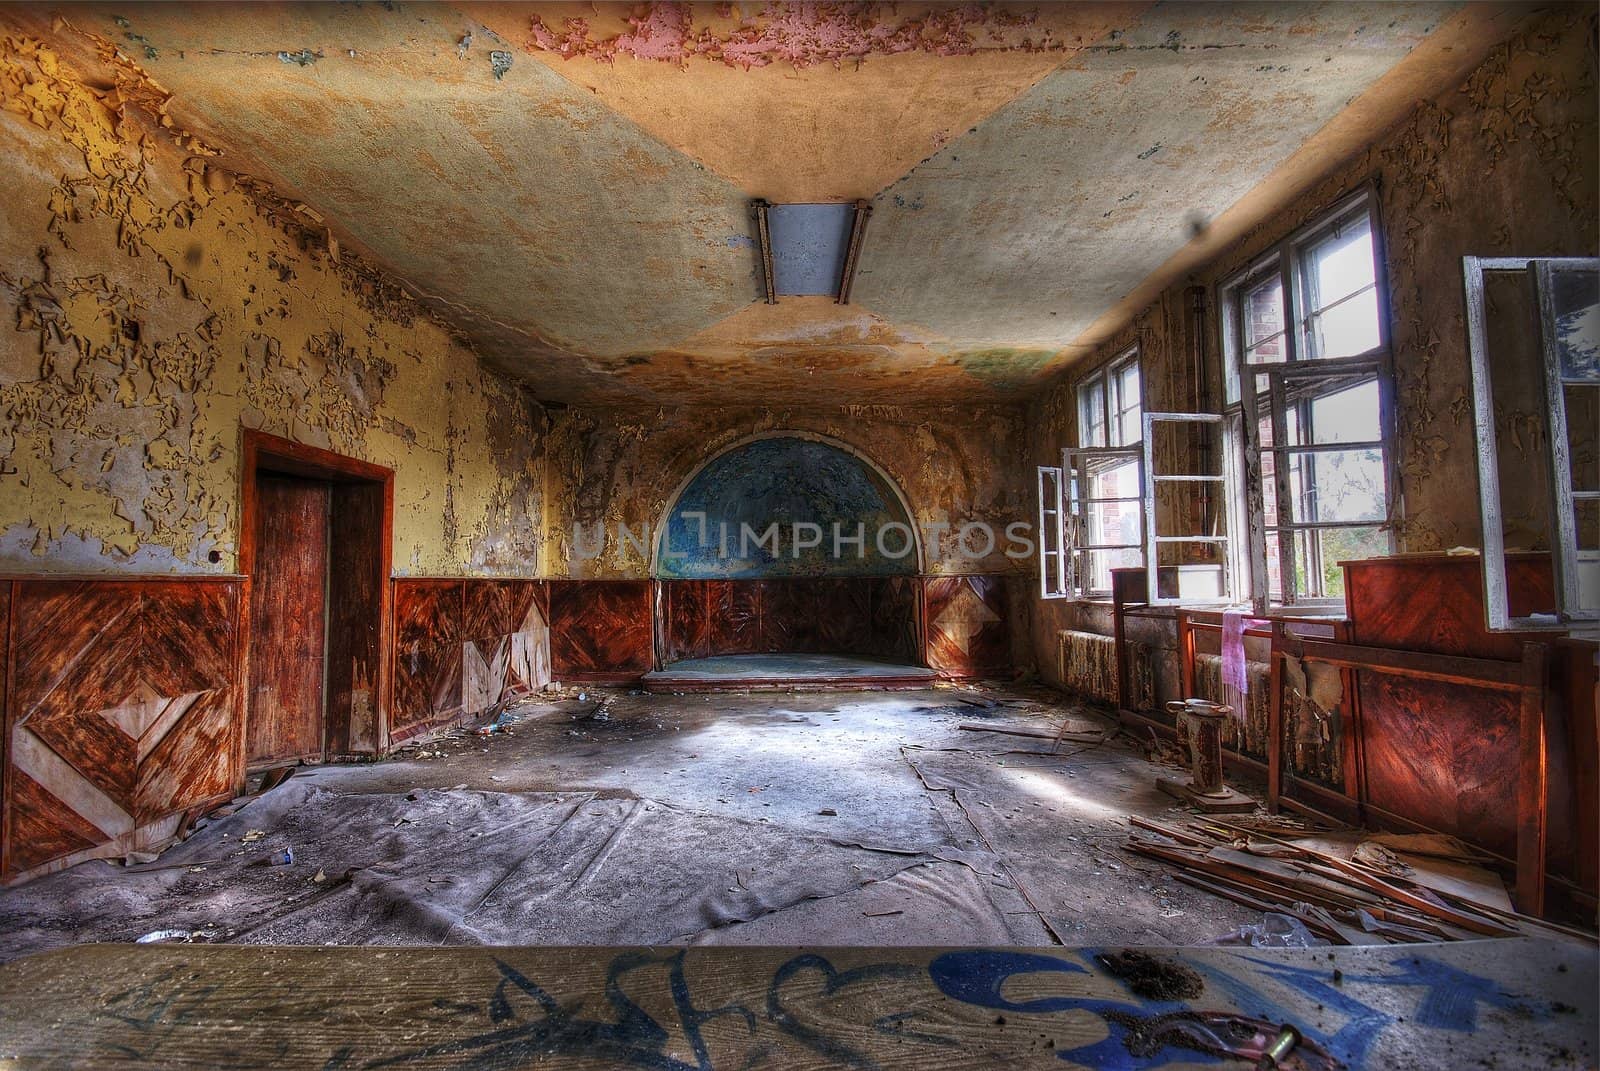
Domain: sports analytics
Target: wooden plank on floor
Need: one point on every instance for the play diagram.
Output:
(178, 1006)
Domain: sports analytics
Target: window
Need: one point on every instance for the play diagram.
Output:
(1054, 569)
(1105, 485)
(1533, 330)
(1308, 361)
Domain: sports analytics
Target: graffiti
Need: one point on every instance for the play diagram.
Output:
(686, 1010)
(1153, 1033)
(526, 1021)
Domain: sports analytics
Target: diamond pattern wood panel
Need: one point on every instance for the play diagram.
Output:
(600, 630)
(965, 625)
(465, 646)
(120, 713)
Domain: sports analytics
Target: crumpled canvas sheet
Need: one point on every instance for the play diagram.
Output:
(467, 867)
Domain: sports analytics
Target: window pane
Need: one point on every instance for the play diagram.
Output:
(1318, 554)
(1346, 416)
(1274, 569)
(1130, 413)
(1263, 322)
(1577, 306)
(1338, 486)
(1346, 329)
(1339, 282)
(1340, 264)
(1587, 512)
(1583, 436)
(1092, 413)
(1097, 565)
(1269, 487)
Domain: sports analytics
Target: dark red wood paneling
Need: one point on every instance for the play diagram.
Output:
(735, 610)
(427, 613)
(427, 664)
(894, 618)
(600, 629)
(1435, 603)
(40, 827)
(288, 592)
(686, 618)
(486, 610)
(1444, 756)
(844, 615)
(872, 616)
(965, 625)
(121, 711)
(789, 616)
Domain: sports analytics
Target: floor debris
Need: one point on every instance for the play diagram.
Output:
(1305, 885)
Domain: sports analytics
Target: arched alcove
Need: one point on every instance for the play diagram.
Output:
(722, 522)
(731, 599)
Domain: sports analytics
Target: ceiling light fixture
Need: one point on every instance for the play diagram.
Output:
(810, 249)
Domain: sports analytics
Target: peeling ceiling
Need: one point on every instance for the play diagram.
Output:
(570, 183)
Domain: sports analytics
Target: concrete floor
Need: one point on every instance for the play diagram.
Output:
(823, 818)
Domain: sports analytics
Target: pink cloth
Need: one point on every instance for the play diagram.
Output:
(1234, 673)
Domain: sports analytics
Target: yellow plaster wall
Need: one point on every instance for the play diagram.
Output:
(152, 303)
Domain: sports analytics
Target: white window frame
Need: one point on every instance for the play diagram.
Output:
(1150, 477)
(1107, 381)
(1563, 502)
(1305, 372)
(1055, 570)
(1074, 469)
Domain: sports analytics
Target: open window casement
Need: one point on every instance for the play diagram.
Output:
(1310, 409)
(1105, 501)
(1200, 571)
(1320, 454)
(1055, 574)
(1533, 331)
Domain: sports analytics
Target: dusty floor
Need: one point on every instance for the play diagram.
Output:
(817, 818)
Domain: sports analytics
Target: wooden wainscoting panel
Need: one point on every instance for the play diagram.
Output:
(528, 668)
(844, 615)
(965, 625)
(600, 629)
(789, 616)
(1434, 602)
(686, 619)
(121, 711)
(1443, 755)
(427, 663)
(734, 607)
(894, 619)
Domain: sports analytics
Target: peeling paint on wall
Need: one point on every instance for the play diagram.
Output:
(152, 304)
(802, 35)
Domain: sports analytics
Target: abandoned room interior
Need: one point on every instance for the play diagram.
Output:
(799, 535)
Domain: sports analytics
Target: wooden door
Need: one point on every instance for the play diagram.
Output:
(288, 620)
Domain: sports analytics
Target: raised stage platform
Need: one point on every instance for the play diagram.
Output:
(782, 672)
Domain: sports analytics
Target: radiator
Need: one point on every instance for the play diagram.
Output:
(1312, 747)
(1250, 735)
(1089, 668)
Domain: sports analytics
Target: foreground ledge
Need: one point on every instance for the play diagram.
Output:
(1523, 1003)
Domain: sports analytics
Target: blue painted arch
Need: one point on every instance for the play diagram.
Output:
(786, 479)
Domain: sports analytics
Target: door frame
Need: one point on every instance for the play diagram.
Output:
(259, 450)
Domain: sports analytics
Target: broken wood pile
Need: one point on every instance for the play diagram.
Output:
(1345, 901)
